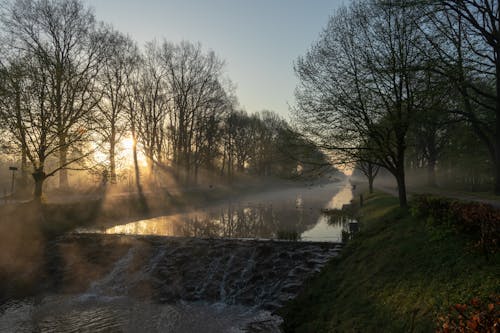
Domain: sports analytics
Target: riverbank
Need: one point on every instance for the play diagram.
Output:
(398, 275)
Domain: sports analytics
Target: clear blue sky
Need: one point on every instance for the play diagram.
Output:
(258, 39)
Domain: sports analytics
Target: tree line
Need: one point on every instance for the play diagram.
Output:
(70, 85)
(406, 84)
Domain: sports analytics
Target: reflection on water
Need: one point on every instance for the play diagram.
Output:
(232, 221)
(270, 215)
(325, 230)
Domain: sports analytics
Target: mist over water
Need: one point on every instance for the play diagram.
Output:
(267, 216)
(219, 276)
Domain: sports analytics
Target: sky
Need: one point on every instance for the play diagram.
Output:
(259, 40)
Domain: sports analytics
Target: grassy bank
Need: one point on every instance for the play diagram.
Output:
(396, 276)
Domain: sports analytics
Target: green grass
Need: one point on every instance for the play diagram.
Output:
(396, 276)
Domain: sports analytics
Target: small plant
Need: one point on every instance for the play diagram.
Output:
(346, 236)
(288, 235)
(477, 316)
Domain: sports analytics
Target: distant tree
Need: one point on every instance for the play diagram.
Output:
(121, 60)
(464, 36)
(152, 97)
(208, 129)
(267, 138)
(298, 156)
(242, 129)
(193, 78)
(430, 132)
(133, 94)
(367, 163)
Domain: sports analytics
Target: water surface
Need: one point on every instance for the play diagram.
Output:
(286, 213)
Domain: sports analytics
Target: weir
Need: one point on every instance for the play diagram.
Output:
(103, 280)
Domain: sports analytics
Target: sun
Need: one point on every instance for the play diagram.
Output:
(124, 154)
(127, 146)
(128, 143)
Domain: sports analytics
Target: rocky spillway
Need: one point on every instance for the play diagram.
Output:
(258, 273)
(115, 283)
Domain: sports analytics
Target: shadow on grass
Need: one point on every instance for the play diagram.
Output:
(396, 276)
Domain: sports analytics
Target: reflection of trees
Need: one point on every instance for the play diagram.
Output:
(237, 221)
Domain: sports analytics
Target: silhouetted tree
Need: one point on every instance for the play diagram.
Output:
(465, 39)
(63, 48)
(121, 60)
(360, 83)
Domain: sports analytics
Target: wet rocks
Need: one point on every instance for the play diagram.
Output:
(263, 274)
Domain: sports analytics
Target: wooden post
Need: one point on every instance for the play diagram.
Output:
(13, 169)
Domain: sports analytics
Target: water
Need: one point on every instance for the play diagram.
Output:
(130, 278)
(77, 314)
(291, 212)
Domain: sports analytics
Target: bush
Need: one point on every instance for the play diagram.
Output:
(288, 235)
(479, 220)
(477, 316)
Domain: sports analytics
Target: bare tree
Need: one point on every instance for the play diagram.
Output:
(12, 79)
(242, 130)
(62, 49)
(133, 107)
(152, 96)
(193, 79)
(465, 39)
(360, 85)
(370, 170)
(121, 60)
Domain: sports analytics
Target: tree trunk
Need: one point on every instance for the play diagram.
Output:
(24, 168)
(112, 166)
(431, 173)
(400, 178)
(142, 199)
(196, 169)
(112, 162)
(432, 156)
(39, 177)
(22, 133)
(241, 166)
(223, 162)
(496, 140)
(497, 169)
(63, 159)
(370, 183)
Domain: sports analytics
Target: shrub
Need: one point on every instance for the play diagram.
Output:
(477, 316)
(479, 220)
(288, 235)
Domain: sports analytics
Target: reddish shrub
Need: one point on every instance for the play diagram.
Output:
(479, 220)
(477, 316)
